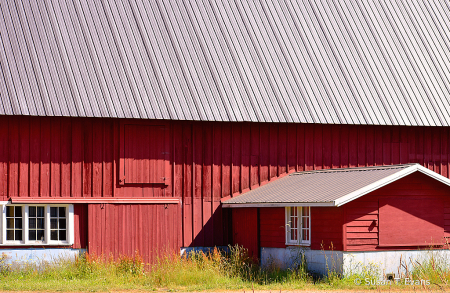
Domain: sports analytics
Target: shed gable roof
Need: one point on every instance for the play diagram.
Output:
(333, 187)
(341, 62)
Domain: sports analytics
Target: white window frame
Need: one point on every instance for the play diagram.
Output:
(300, 240)
(25, 229)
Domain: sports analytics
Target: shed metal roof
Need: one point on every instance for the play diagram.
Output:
(342, 62)
(333, 187)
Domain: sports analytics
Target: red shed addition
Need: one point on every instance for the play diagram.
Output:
(347, 212)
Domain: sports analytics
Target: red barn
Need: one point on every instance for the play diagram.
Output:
(125, 125)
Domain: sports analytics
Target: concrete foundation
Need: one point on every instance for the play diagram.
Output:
(392, 262)
(375, 263)
(318, 261)
(37, 256)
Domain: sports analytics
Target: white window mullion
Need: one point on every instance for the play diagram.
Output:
(47, 225)
(3, 224)
(70, 225)
(25, 224)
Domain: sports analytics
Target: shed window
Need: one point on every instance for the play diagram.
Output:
(144, 152)
(298, 225)
(36, 224)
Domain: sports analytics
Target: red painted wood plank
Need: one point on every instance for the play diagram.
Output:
(55, 158)
(443, 159)
(378, 145)
(13, 168)
(226, 159)
(428, 147)
(77, 158)
(198, 232)
(255, 155)
(362, 146)
(344, 142)
(291, 147)
(217, 162)
(207, 228)
(327, 146)
(301, 147)
(264, 159)
(66, 157)
(236, 158)
(273, 151)
(197, 137)
(177, 188)
(88, 158)
(335, 146)
(309, 147)
(24, 156)
(218, 224)
(372, 229)
(361, 235)
(318, 147)
(353, 146)
(208, 149)
(4, 143)
(98, 148)
(361, 242)
(245, 160)
(45, 157)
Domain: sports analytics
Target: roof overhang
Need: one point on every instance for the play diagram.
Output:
(352, 195)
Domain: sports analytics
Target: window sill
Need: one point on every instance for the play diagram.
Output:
(302, 245)
(34, 244)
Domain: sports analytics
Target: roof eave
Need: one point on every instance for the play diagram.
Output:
(278, 204)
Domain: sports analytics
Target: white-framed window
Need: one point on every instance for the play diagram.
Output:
(36, 224)
(298, 225)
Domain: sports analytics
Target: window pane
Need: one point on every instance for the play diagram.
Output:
(62, 223)
(294, 234)
(305, 222)
(32, 211)
(18, 211)
(62, 212)
(18, 223)
(40, 223)
(53, 212)
(54, 235)
(62, 235)
(9, 234)
(40, 235)
(32, 223)
(40, 212)
(53, 223)
(10, 211)
(305, 235)
(305, 211)
(18, 234)
(10, 223)
(32, 235)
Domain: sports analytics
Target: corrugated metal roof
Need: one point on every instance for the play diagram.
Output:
(347, 62)
(323, 186)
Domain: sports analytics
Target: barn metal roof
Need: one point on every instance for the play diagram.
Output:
(332, 187)
(346, 62)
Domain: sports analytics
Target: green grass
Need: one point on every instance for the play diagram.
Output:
(217, 271)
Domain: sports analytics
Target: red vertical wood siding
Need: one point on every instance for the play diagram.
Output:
(245, 229)
(80, 225)
(206, 161)
(272, 227)
(326, 228)
(151, 230)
